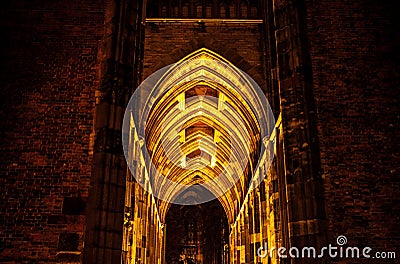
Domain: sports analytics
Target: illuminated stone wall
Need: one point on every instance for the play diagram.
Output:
(143, 240)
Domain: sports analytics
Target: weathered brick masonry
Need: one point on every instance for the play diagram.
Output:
(240, 43)
(48, 77)
(355, 63)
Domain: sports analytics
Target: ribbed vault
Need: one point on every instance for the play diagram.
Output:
(202, 131)
(203, 125)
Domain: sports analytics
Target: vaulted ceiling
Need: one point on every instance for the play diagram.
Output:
(204, 124)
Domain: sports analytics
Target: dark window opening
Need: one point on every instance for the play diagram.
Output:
(74, 206)
(68, 242)
(202, 9)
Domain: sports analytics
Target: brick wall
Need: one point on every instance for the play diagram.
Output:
(48, 76)
(242, 44)
(354, 54)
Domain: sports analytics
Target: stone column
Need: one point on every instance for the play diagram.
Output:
(300, 182)
(119, 61)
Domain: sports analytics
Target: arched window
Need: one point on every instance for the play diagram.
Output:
(175, 11)
(222, 10)
(199, 9)
(243, 10)
(185, 9)
(153, 9)
(253, 12)
(232, 10)
(164, 10)
(174, 8)
(254, 9)
(202, 9)
(208, 11)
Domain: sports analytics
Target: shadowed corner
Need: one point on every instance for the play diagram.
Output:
(194, 194)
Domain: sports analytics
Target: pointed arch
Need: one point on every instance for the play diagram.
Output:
(227, 130)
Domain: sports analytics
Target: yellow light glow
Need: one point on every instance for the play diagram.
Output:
(218, 133)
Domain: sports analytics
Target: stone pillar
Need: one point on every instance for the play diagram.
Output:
(299, 179)
(105, 216)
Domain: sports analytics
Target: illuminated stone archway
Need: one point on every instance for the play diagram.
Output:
(200, 124)
(220, 119)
